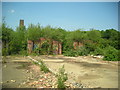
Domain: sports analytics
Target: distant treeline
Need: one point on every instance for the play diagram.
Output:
(96, 42)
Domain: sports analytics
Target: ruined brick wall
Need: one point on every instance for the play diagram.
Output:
(77, 45)
(42, 40)
(80, 44)
(56, 46)
(30, 46)
(59, 48)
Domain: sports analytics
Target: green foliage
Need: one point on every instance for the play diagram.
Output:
(77, 35)
(95, 41)
(62, 77)
(78, 52)
(90, 46)
(110, 34)
(110, 54)
(34, 32)
(71, 53)
(94, 35)
(82, 51)
(43, 67)
(23, 52)
(98, 51)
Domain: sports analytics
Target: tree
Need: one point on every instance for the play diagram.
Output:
(33, 32)
(94, 35)
(6, 39)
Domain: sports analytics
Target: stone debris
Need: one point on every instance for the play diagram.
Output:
(13, 81)
(39, 79)
(45, 80)
(98, 56)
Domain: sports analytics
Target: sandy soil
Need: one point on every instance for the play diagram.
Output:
(91, 72)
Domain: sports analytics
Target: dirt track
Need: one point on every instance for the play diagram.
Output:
(91, 72)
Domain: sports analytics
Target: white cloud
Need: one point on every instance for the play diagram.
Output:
(11, 11)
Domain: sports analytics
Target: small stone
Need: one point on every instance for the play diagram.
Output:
(45, 77)
(41, 80)
(53, 86)
(24, 83)
(13, 81)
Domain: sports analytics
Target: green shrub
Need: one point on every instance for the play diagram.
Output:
(71, 53)
(78, 52)
(110, 54)
(4, 52)
(82, 51)
(23, 52)
(62, 77)
(98, 51)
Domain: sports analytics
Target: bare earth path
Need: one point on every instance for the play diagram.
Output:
(91, 72)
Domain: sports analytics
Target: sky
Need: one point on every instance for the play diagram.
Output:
(67, 15)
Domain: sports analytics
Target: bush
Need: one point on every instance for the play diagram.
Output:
(71, 53)
(78, 52)
(110, 54)
(4, 52)
(23, 52)
(62, 77)
(82, 51)
(98, 51)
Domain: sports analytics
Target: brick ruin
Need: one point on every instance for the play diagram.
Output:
(55, 45)
(77, 45)
(21, 23)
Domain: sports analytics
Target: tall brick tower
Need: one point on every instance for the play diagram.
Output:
(21, 22)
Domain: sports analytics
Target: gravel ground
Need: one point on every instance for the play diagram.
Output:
(83, 72)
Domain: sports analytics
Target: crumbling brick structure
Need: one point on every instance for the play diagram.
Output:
(55, 45)
(77, 45)
(21, 23)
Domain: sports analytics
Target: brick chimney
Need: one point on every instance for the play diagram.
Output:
(21, 22)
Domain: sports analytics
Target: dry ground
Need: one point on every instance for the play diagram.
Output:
(91, 72)
(86, 70)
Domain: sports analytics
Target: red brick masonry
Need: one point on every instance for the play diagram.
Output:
(56, 46)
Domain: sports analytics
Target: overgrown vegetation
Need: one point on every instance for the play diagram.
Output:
(96, 42)
(43, 67)
(62, 77)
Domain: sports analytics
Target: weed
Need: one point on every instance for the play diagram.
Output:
(44, 67)
(62, 77)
